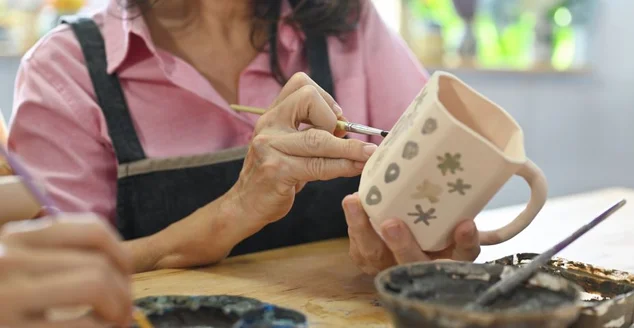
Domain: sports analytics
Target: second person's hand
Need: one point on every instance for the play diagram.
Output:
(72, 261)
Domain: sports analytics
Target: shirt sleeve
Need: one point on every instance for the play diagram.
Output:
(394, 75)
(60, 142)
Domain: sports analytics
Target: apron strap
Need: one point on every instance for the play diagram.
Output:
(108, 90)
(111, 99)
(316, 49)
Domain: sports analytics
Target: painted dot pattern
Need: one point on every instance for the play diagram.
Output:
(410, 150)
(374, 196)
(392, 173)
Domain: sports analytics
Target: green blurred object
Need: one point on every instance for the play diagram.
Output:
(505, 35)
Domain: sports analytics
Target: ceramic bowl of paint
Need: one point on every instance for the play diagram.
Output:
(271, 316)
(608, 294)
(217, 311)
(434, 295)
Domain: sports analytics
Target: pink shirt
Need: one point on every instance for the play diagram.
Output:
(60, 133)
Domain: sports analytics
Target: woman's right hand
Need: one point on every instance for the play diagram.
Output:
(69, 261)
(282, 158)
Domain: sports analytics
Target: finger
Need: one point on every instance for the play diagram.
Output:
(361, 262)
(83, 322)
(86, 232)
(401, 242)
(15, 227)
(467, 242)
(339, 133)
(305, 105)
(47, 261)
(106, 292)
(299, 186)
(368, 243)
(299, 80)
(314, 169)
(319, 143)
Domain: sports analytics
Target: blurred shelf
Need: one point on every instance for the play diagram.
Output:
(530, 71)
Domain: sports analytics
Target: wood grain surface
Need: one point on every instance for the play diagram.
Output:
(321, 281)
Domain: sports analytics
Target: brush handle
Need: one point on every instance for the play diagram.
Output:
(341, 125)
(29, 182)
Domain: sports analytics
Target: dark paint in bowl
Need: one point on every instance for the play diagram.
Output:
(219, 311)
(434, 295)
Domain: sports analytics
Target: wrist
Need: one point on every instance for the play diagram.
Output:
(206, 236)
(147, 252)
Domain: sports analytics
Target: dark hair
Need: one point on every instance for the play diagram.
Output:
(313, 17)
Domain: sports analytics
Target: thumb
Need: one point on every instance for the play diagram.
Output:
(467, 241)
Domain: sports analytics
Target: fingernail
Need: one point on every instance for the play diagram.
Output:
(369, 149)
(393, 232)
(359, 165)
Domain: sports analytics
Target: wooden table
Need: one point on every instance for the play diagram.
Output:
(320, 280)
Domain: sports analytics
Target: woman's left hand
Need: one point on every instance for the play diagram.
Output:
(372, 255)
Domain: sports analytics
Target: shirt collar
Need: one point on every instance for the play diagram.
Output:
(125, 25)
(120, 27)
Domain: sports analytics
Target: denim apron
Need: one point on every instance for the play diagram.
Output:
(153, 193)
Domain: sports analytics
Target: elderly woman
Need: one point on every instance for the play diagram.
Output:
(127, 115)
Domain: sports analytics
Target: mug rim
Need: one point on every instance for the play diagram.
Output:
(479, 137)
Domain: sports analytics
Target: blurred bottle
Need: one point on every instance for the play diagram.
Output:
(66, 7)
(430, 45)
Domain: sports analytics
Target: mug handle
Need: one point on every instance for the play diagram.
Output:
(539, 193)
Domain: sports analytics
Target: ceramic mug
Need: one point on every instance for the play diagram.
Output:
(450, 152)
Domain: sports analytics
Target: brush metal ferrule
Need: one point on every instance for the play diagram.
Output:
(362, 129)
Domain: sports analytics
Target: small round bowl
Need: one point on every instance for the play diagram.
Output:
(271, 316)
(218, 311)
(434, 294)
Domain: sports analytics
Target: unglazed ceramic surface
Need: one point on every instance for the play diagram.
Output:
(447, 156)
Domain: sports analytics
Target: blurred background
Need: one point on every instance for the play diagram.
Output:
(560, 67)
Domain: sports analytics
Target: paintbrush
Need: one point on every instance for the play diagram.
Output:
(29, 182)
(141, 319)
(507, 285)
(341, 125)
(51, 209)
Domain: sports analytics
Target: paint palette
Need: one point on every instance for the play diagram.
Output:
(608, 294)
(434, 295)
(219, 311)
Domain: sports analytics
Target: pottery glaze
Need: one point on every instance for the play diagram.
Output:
(434, 294)
(217, 311)
(608, 294)
(450, 152)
